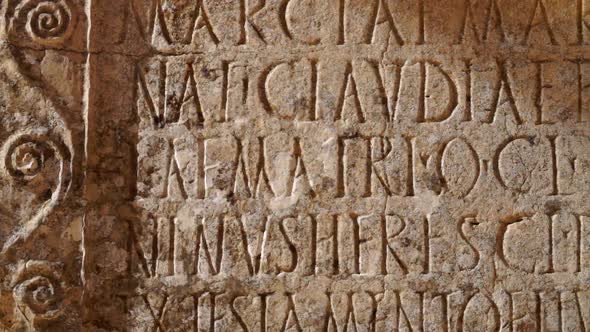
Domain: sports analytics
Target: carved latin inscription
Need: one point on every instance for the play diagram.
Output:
(295, 165)
(346, 165)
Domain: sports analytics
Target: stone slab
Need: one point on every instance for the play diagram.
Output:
(295, 165)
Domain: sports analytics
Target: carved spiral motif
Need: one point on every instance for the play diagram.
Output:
(47, 22)
(39, 164)
(26, 156)
(39, 290)
(27, 159)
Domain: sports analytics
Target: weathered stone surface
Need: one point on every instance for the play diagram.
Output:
(295, 165)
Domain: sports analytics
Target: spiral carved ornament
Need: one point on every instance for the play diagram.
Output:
(47, 23)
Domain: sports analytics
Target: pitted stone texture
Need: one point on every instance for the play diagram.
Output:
(299, 165)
